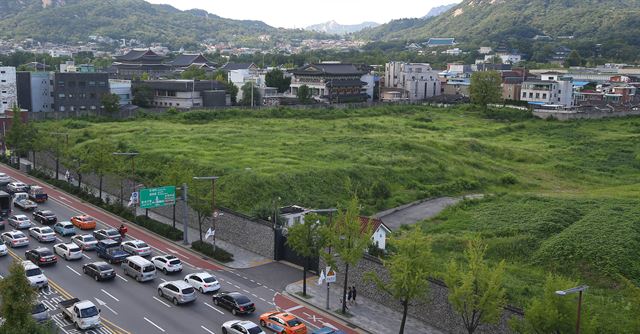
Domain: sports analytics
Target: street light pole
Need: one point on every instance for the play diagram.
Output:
(579, 290)
(213, 205)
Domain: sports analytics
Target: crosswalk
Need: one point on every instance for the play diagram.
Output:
(50, 298)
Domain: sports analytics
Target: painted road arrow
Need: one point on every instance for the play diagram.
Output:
(101, 303)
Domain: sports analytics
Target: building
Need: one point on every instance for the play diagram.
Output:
(8, 89)
(559, 55)
(138, 62)
(79, 91)
(414, 81)
(293, 214)
(185, 60)
(332, 82)
(436, 42)
(512, 83)
(457, 87)
(35, 91)
(485, 50)
(379, 231)
(186, 94)
(122, 88)
(551, 90)
(70, 66)
(241, 73)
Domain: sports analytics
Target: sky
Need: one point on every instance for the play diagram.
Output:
(302, 13)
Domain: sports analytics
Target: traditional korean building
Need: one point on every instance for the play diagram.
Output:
(184, 61)
(137, 62)
(332, 82)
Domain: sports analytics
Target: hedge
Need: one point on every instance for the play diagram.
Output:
(207, 249)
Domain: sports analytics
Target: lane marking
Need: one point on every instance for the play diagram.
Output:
(237, 286)
(214, 308)
(208, 331)
(165, 304)
(247, 291)
(162, 279)
(156, 326)
(108, 294)
(59, 240)
(122, 278)
(86, 256)
(291, 309)
(264, 300)
(101, 303)
(176, 252)
(64, 199)
(77, 273)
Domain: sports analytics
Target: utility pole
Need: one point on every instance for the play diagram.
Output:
(185, 216)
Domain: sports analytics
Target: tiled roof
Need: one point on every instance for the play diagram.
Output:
(138, 55)
(236, 66)
(330, 69)
(373, 223)
(185, 60)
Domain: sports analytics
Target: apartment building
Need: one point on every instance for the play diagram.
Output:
(8, 89)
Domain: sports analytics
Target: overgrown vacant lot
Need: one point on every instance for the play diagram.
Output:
(564, 195)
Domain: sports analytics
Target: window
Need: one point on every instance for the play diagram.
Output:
(524, 94)
(92, 95)
(93, 108)
(61, 83)
(101, 83)
(72, 84)
(61, 95)
(4, 92)
(4, 80)
(537, 95)
(82, 84)
(62, 108)
(544, 95)
(530, 95)
(3, 72)
(92, 83)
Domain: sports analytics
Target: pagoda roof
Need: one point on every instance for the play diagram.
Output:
(137, 55)
(185, 60)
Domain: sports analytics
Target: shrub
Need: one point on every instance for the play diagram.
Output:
(165, 230)
(508, 179)
(207, 249)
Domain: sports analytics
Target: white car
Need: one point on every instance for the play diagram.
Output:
(85, 241)
(17, 187)
(68, 251)
(136, 247)
(43, 234)
(241, 327)
(34, 275)
(203, 282)
(167, 263)
(5, 179)
(3, 250)
(20, 222)
(15, 239)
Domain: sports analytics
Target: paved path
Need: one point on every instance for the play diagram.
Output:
(415, 212)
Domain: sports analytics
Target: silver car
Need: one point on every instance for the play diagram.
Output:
(178, 292)
(43, 234)
(20, 222)
(136, 247)
(85, 241)
(40, 313)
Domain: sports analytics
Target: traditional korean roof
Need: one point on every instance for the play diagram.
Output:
(139, 55)
(185, 60)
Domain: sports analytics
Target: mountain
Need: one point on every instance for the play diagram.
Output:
(75, 20)
(613, 23)
(333, 27)
(435, 11)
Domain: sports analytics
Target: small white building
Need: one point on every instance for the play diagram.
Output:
(417, 81)
(122, 88)
(379, 231)
(8, 89)
(293, 214)
(485, 50)
(553, 89)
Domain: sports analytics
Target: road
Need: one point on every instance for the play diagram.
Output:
(131, 307)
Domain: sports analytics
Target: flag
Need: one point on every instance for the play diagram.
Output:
(321, 278)
(210, 233)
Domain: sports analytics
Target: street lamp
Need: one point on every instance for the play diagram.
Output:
(66, 143)
(214, 214)
(579, 290)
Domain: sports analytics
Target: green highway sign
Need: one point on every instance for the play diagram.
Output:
(156, 197)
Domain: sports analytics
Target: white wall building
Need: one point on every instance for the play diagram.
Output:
(8, 89)
(548, 92)
(417, 80)
(122, 88)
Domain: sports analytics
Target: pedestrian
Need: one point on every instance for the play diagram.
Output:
(354, 293)
(67, 176)
(346, 307)
(349, 295)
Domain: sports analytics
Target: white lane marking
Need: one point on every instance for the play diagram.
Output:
(177, 253)
(237, 286)
(253, 294)
(245, 277)
(122, 278)
(156, 326)
(252, 281)
(291, 309)
(247, 291)
(264, 300)
(214, 308)
(208, 331)
(77, 273)
(108, 294)
(163, 303)
(101, 303)
(59, 240)
(258, 283)
(87, 256)
(64, 199)
(272, 303)
(162, 279)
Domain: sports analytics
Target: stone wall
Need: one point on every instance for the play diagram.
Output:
(567, 116)
(243, 231)
(435, 310)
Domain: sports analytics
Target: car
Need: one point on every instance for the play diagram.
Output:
(20, 222)
(40, 313)
(136, 247)
(283, 323)
(99, 271)
(84, 222)
(178, 292)
(109, 233)
(236, 302)
(21, 200)
(203, 282)
(41, 256)
(327, 330)
(241, 327)
(43, 234)
(167, 263)
(68, 251)
(45, 217)
(17, 187)
(85, 241)
(3, 249)
(5, 179)
(34, 274)
(64, 228)
(15, 239)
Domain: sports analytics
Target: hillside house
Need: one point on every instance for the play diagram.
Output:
(379, 231)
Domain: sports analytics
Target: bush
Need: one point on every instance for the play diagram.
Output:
(164, 230)
(508, 179)
(207, 249)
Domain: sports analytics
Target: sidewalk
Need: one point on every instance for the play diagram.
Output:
(368, 315)
(242, 258)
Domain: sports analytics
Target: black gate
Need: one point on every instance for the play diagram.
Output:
(285, 253)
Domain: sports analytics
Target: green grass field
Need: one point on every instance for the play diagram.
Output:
(564, 194)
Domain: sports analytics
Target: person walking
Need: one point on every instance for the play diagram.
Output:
(349, 295)
(353, 294)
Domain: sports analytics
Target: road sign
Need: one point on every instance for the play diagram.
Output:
(156, 197)
(331, 276)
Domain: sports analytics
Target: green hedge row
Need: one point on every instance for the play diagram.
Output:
(207, 249)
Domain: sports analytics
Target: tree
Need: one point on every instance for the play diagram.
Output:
(304, 94)
(142, 95)
(100, 160)
(249, 90)
(476, 291)
(233, 91)
(549, 313)
(410, 267)
(348, 240)
(19, 137)
(194, 73)
(307, 238)
(176, 173)
(144, 76)
(110, 102)
(18, 298)
(485, 88)
(275, 78)
(573, 59)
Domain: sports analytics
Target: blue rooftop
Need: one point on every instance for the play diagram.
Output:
(441, 41)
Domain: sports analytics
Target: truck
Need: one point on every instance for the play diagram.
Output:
(37, 194)
(82, 313)
(110, 250)
(5, 204)
(22, 201)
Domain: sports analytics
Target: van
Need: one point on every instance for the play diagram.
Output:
(139, 268)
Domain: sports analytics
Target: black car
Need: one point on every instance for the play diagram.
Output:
(45, 217)
(100, 271)
(236, 302)
(41, 256)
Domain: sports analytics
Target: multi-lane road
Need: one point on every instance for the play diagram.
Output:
(132, 307)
